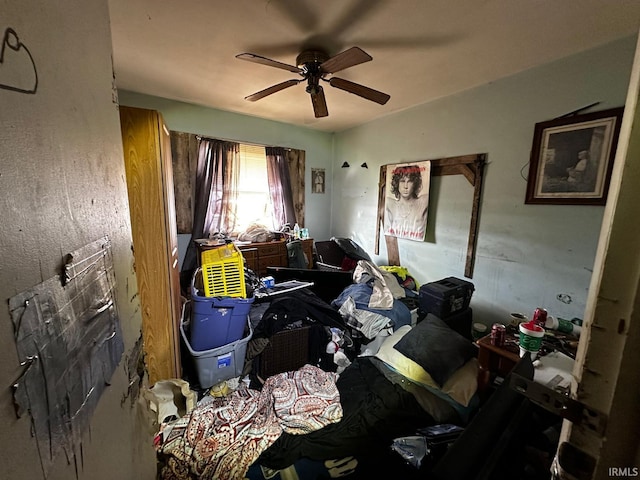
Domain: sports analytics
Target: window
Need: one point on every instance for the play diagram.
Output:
(255, 195)
(254, 201)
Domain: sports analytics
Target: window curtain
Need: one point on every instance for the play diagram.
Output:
(296, 161)
(216, 193)
(280, 187)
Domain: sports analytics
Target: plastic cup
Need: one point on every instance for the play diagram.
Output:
(530, 339)
(479, 331)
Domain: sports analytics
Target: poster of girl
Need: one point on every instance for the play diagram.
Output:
(407, 199)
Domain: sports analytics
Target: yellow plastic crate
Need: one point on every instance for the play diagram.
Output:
(223, 272)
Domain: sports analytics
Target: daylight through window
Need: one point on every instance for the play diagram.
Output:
(254, 201)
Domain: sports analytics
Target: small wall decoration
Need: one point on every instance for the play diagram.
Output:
(406, 200)
(318, 178)
(572, 159)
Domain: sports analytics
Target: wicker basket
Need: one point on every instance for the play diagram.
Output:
(288, 350)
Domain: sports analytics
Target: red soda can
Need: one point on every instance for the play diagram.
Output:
(539, 317)
(498, 333)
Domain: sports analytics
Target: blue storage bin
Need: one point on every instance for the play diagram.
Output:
(217, 321)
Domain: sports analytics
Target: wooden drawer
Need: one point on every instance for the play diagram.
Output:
(271, 261)
(250, 256)
(260, 255)
(269, 249)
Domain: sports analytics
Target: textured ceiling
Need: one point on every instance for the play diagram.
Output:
(422, 49)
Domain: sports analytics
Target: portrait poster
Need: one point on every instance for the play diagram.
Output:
(407, 200)
(317, 180)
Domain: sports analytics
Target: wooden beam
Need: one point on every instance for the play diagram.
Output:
(393, 253)
(463, 169)
(382, 182)
(469, 173)
(441, 162)
(475, 218)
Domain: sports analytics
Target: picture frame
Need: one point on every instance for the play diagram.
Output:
(572, 159)
(318, 177)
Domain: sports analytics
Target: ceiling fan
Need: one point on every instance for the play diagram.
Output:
(314, 66)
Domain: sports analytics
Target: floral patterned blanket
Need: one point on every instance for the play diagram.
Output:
(221, 438)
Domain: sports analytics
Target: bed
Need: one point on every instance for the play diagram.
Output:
(315, 424)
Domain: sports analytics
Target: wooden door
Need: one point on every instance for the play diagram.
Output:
(147, 153)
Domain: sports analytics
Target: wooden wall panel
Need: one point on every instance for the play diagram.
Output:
(184, 156)
(296, 161)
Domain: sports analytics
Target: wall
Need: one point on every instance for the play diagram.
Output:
(608, 358)
(63, 186)
(527, 255)
(213, 123)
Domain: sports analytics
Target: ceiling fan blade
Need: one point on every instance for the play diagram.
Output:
(348, 58)
(360, 90)
(319, 103)
(272, 89)
(252, 57)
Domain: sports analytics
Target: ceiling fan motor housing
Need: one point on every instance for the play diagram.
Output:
(309, 61)
(310, 58)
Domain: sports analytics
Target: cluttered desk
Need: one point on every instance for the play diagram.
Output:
(554, 354)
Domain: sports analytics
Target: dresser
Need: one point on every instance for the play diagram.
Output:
(260, 255)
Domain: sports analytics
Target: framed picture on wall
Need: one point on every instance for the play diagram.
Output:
(317, 180)
(572, 159)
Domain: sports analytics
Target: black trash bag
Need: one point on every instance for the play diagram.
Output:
(351, 249)
(295, 254)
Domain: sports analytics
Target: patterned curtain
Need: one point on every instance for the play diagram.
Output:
(216, 193)
(280, 186)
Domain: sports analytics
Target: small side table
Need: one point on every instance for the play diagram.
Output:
(495, 360)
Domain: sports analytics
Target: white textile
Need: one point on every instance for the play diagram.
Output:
(385, 285)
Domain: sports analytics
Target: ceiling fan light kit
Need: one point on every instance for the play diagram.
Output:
(313, 66)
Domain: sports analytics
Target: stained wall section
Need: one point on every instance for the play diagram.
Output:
(63, 187)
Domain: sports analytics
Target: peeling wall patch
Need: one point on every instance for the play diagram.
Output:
(564, 298)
